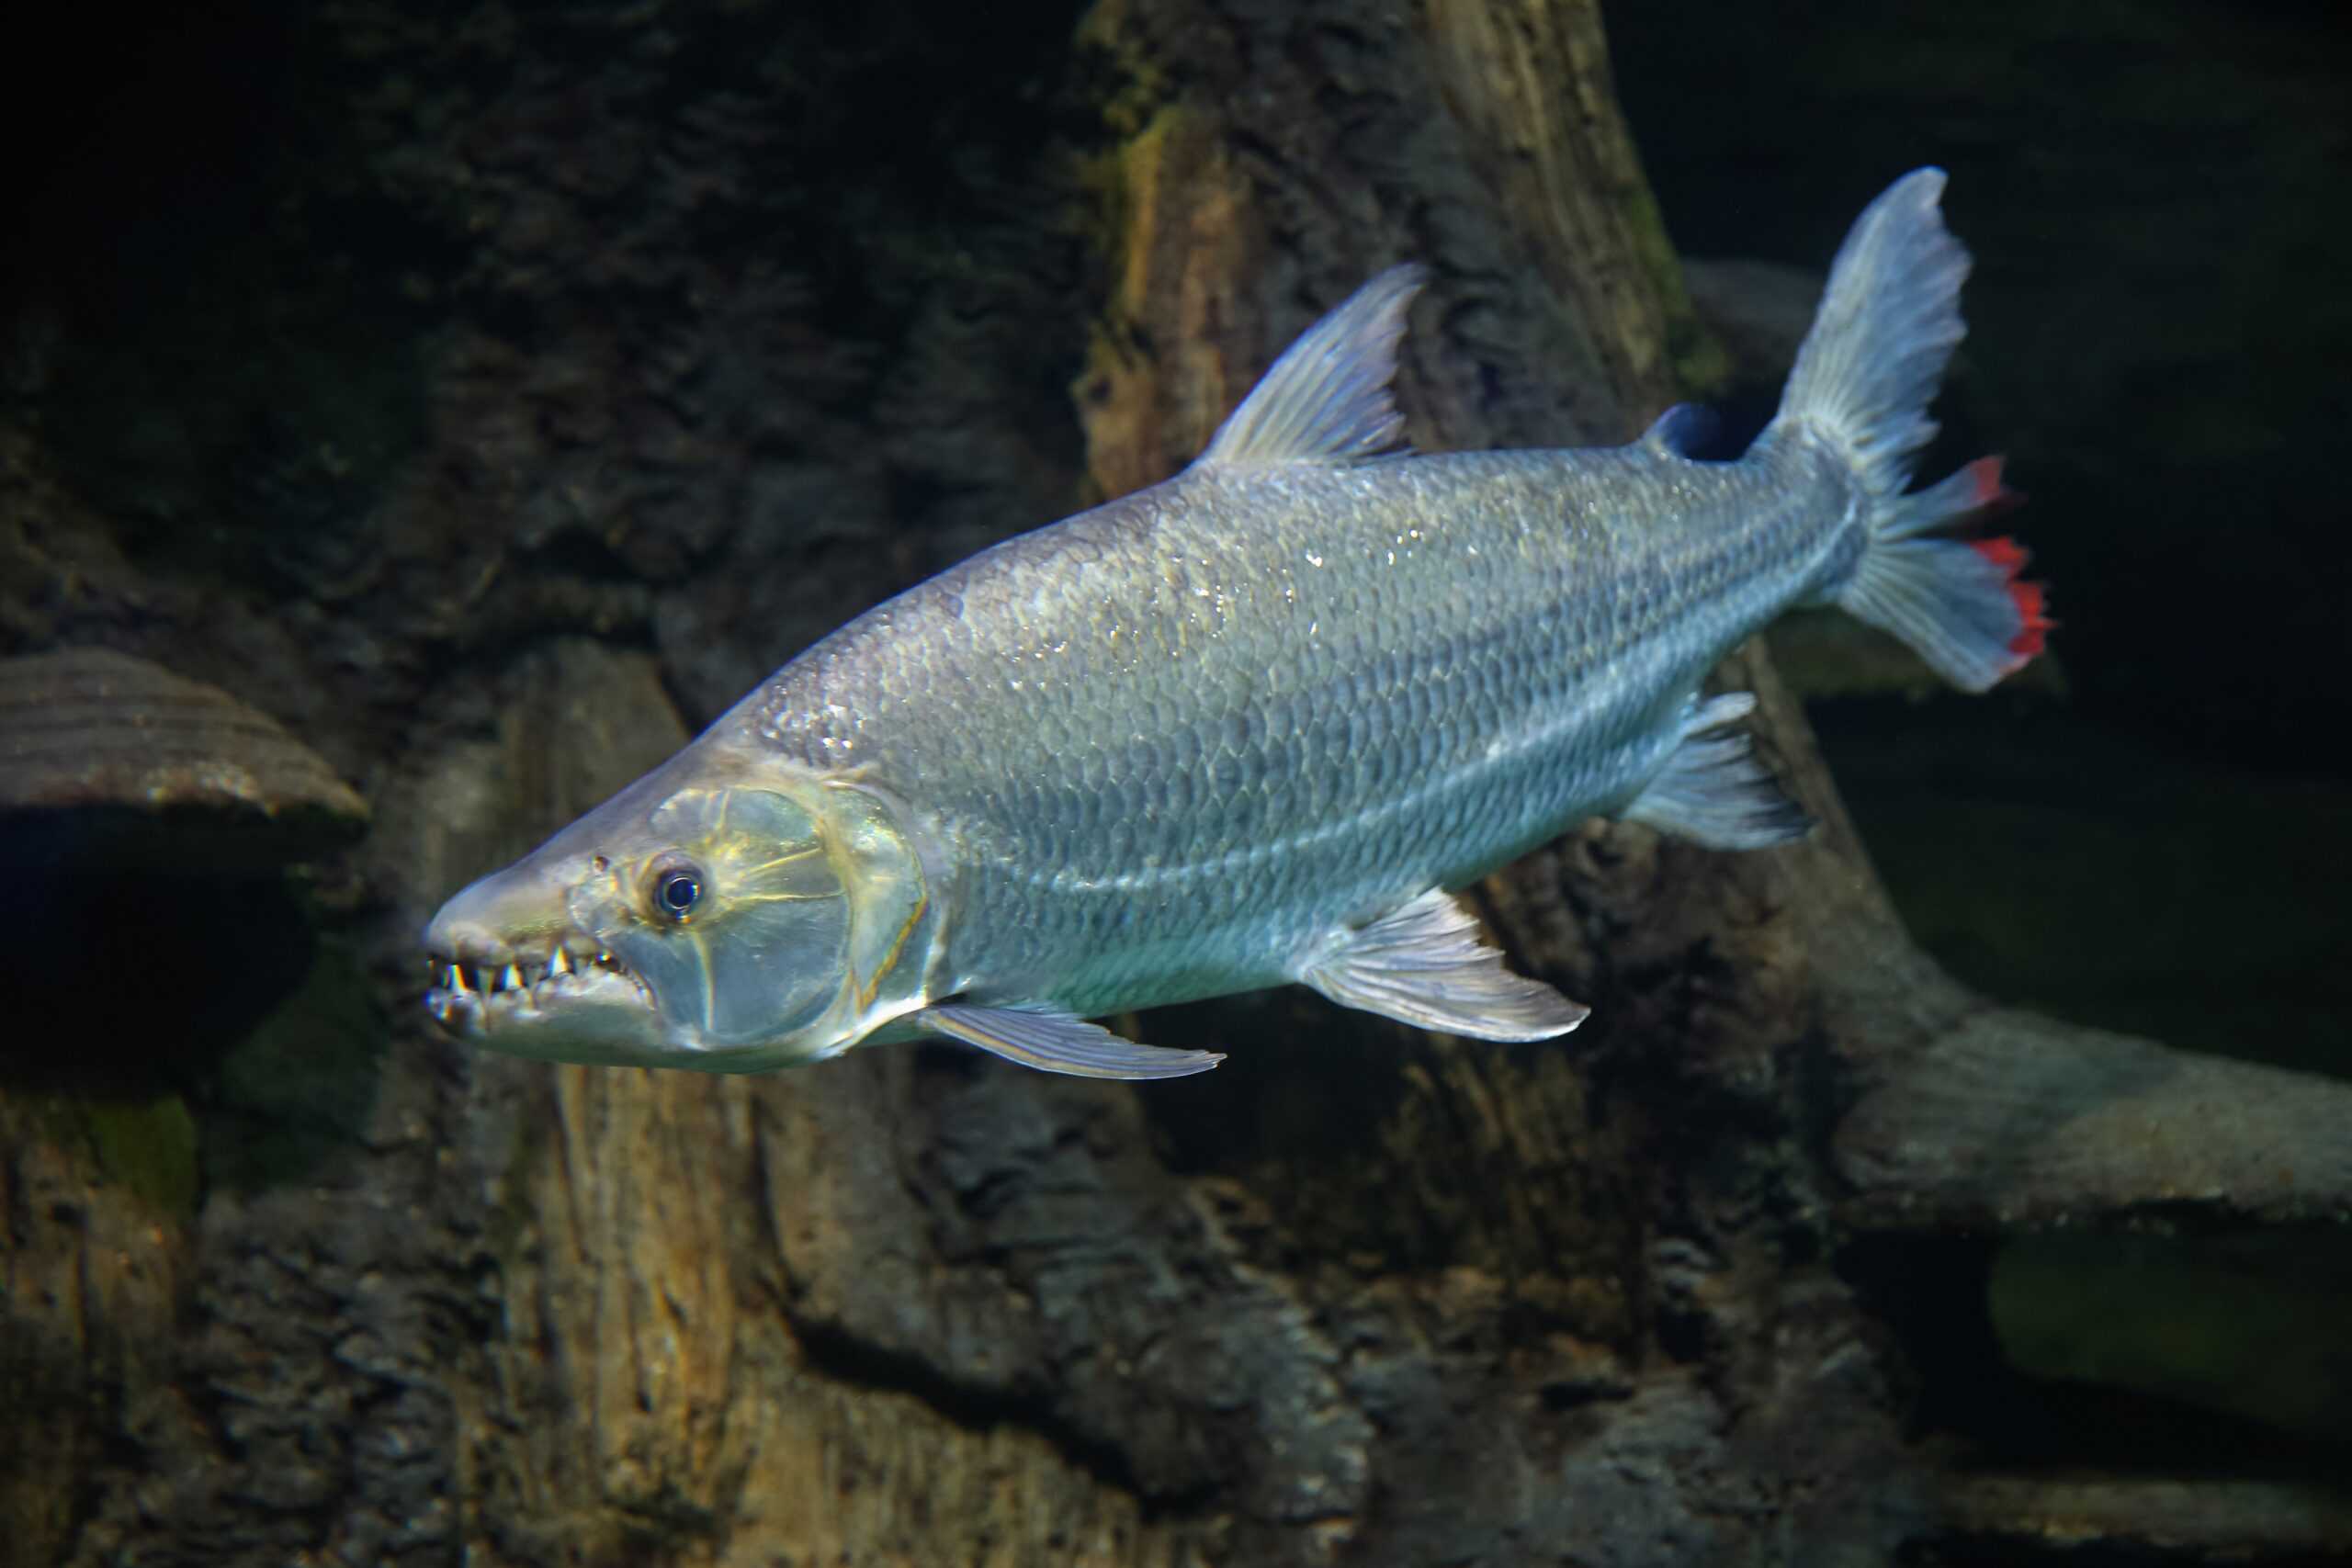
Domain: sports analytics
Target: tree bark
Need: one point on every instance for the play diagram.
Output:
(1361, 1295)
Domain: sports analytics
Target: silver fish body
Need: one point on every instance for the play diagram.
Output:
(1178, 739)
(1253, 725)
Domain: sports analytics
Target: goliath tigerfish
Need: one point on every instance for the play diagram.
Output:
(1253, 725)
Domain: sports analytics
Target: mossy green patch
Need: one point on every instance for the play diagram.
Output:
(151, 1147)
(148, 1145)
(1137, 84)
(1131, 93)
(1114, 183)
(302, 1083)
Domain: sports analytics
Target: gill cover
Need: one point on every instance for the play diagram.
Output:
(801, 915)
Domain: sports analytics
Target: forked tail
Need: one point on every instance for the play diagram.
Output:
(1886, 327)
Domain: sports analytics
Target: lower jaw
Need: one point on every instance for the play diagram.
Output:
(505, 1020)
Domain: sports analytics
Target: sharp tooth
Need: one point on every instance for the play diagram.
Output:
(512, 979)
(603, 957)
(557, 964)
(457, 978)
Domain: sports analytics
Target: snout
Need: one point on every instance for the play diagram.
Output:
(519, 912)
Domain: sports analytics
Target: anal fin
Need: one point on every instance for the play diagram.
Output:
(1712, 791)
(1423, 965)
(1054, 1041)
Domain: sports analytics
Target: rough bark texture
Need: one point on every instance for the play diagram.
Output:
(661, 406)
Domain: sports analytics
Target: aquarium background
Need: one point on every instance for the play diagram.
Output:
(2154, 341)
(477, 399)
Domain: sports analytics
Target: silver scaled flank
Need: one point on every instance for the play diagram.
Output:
(1256, 724)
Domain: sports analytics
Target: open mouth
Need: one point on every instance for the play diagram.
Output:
(474, 994)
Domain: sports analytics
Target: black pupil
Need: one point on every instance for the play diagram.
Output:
(679, 891)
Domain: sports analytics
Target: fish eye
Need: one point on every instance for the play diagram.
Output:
(673, 890)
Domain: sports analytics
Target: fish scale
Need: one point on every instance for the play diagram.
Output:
(1478, 661)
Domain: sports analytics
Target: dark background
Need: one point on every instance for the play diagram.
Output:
(2155, 195)
(2157, 326)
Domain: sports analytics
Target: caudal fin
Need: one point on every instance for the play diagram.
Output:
(1886, 328)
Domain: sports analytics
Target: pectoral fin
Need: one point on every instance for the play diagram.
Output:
(1057, 1042)
(1424, 966)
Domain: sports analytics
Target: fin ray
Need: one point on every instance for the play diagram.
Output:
(1422, 964)
(1712, 791)
(1054, 1041)
(1327, 399)
(1959, 606)
(1885, 329)
(1875, 356)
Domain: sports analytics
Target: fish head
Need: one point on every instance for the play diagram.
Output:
(720, 913)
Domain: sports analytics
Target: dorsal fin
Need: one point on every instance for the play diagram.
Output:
(1327, 399)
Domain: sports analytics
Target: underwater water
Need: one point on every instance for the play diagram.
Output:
(416, 422)
(2152, 841)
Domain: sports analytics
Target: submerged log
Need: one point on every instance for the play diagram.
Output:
(2012, 1121)
(2158, 1519)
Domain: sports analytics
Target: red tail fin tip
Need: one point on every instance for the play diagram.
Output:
(1987, 474)
(1991, 497)
(2029, 597)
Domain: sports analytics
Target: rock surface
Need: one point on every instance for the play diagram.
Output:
(106, 759)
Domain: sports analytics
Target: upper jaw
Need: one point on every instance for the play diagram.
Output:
(518, 916)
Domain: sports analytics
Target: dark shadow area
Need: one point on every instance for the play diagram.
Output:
(130, 991)
(125, 986)
(1934, 1296)
(2108, 876)
(2152, 194)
